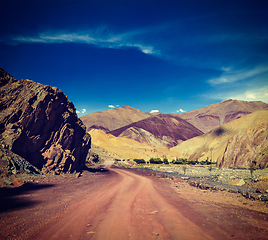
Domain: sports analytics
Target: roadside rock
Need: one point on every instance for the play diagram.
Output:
(238, 182)
(39, 124)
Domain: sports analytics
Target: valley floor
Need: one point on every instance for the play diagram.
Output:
(118, 203)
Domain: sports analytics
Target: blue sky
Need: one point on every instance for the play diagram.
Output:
(170, 56)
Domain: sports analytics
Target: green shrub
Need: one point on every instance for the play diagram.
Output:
(155, 161)
(180, 161)
(165, 160)
(139, 161)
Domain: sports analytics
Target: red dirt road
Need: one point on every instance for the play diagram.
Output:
(126, 204)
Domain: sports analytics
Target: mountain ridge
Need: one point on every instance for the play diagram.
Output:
(214, 115)
(168, 130)
(112, 119)
(134, 124)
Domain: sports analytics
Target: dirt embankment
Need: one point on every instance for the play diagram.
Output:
(126, 204)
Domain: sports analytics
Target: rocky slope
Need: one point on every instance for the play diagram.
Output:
(113, 118)
(214, 115)
(162, 130)
(235, 144)
(39, 124)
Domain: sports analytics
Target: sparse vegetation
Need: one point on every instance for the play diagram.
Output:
(184, 161)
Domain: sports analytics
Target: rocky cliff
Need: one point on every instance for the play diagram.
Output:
(39, 124)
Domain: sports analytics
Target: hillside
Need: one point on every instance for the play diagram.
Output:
(234, 144)
(162, 130)
(214, 115)
(123, 148)
(112, 119)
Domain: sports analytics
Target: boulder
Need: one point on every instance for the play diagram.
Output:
(39, 124)
(238, 182)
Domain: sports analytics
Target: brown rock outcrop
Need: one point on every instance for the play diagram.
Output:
(40, 124)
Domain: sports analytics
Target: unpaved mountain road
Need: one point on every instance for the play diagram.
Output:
(126, 204)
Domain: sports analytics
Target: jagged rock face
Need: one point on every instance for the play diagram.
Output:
(39, 124)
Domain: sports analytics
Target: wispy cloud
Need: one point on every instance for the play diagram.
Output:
(154, 111)
(98, 37)
(229, 75)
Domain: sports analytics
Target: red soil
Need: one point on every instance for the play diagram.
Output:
(126, 204)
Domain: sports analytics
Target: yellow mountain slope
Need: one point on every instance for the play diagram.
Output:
(125, 148)
(235, 144)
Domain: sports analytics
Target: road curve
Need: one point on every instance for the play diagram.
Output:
(126, 207)
(126, 204)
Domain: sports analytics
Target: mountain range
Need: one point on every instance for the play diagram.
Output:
(190, 135)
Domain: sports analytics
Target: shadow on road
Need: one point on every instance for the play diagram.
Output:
(11, 198)
(99, 169)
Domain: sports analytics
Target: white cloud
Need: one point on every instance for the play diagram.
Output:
(181, 110)
(229, 75)
(77, 111)
(250, 95)
(254, 94)
(84, 110)
(154, 111)
(111, 106)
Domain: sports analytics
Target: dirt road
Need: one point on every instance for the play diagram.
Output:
(124, 204)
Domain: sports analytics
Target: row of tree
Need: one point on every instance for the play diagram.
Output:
(179, 161)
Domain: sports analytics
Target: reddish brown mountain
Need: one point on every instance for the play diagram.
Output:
(112, 119)
(214, 115)
(39, 124)
(158, 131)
